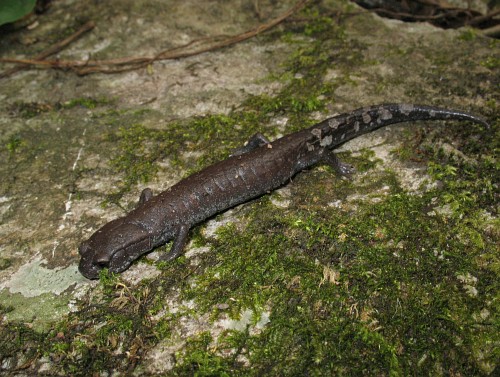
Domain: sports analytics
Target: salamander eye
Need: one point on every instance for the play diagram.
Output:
(102, 261)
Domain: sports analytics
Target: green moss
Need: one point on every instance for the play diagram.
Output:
(491, 62)
(29, 110)
(19, 345)
(468, 35)
(366, 161)
(86, 102)
(394, 266)
(14, 143)
(199, 361)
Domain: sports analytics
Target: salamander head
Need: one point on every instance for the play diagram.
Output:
(115, 246)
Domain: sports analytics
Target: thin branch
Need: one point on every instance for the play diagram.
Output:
(129, 63)
(52, 49)
(487, 17)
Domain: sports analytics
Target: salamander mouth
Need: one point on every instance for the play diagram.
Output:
(90, 268)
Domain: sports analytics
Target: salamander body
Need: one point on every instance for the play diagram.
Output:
(255, 169)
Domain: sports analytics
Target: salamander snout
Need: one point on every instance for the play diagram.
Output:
(87, 267)
(115, 246)
(96, 254)
(92, 261)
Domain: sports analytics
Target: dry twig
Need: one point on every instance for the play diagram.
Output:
(195, 47)
(52, 50)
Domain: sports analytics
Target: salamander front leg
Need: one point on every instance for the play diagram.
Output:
(341, 168)
(256, 141)
(179, 243)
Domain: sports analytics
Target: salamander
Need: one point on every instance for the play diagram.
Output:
(253, 170)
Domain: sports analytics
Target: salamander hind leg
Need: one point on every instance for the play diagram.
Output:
(180, 241)
(341, 168)
(322, 155)
(256, 141)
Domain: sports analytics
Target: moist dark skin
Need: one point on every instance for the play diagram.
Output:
(253, 170)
